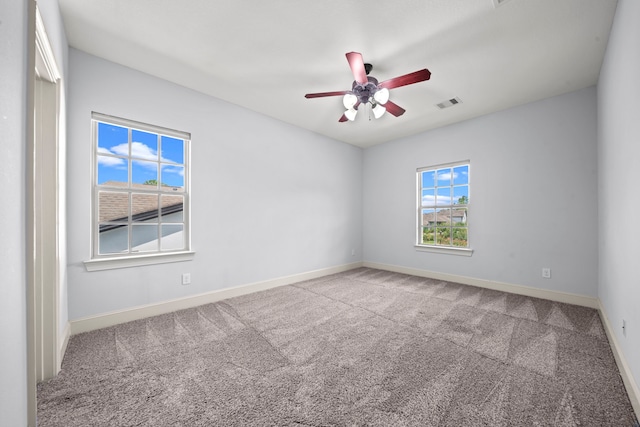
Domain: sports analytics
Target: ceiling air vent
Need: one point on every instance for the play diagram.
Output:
(497, 3)
(449, 102)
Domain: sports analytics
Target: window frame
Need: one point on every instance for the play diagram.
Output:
(129, 259)
(445, 249)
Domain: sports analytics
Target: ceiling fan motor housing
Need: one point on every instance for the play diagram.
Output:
(365, 91)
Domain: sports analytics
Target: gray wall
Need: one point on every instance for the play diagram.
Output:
(618, 162)
(13, 311)
(268, 199)
(533, 197)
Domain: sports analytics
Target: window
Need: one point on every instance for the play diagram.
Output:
(140, 189)
(443, 206)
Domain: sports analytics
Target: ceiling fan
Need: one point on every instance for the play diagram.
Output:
(366, 89)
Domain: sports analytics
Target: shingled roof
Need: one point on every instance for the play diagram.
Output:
(114, 205)
(442, 217)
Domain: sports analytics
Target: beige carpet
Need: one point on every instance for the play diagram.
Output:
(361, 348)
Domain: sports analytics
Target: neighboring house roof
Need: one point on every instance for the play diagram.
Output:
(114, 205)
(442, 217)
(435, 217)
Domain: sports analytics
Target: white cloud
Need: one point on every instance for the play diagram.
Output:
(142, 151)
(173, 169)
(138, 151)
(121, 149)
(430, 200)
(108, 161)
(447, 176)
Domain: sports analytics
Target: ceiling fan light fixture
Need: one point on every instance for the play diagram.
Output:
(349, 100)
(378, 110)
(351, 114)
(381, 96)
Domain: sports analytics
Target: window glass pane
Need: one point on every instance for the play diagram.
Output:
(113, 139)
(172, 150)
(444, 176)
(443, 196)
(113, 239)
(113, 207)
(428, 179)
(443, 216)
(461, 175)
(172, 237)
(144, 145)
(459, 236)
(113, 171)
(173, 176)
(428, 217)
(144, 237)
(172, 208)
(429, 197)
(428, 236)
(461, 195)
(443, 236)
(144, 207)
(459, 217)
(145, 173)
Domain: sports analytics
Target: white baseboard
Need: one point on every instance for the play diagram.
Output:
(66, 333)
(625, 372)
(135, 313)
(564, 297)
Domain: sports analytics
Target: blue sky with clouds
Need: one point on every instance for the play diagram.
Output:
(445, 186)
(147, 156)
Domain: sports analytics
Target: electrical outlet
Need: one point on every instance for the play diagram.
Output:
(624, 327)
(186, 278)
(353, 252)
(546, 273)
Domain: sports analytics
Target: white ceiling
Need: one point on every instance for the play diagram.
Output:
(266, 55)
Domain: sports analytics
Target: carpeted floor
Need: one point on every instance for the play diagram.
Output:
(361, 348)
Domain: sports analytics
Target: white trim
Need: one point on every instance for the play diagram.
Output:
(133, 124)
(100, 264)
(565, 297)
(96, 188)
(625, 371)
(46, 67)
(135, 313)
(66, 334)
(420, 208)
(444, 165)
(451, 250)
(44, 156)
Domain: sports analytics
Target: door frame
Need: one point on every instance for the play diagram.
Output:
(42, 208)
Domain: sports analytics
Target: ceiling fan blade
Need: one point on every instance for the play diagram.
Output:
(357, 67)
(394, 109)
(322, 94)
(407, 79)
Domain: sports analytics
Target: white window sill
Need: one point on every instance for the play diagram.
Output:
(112, 263)
(445, 250)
